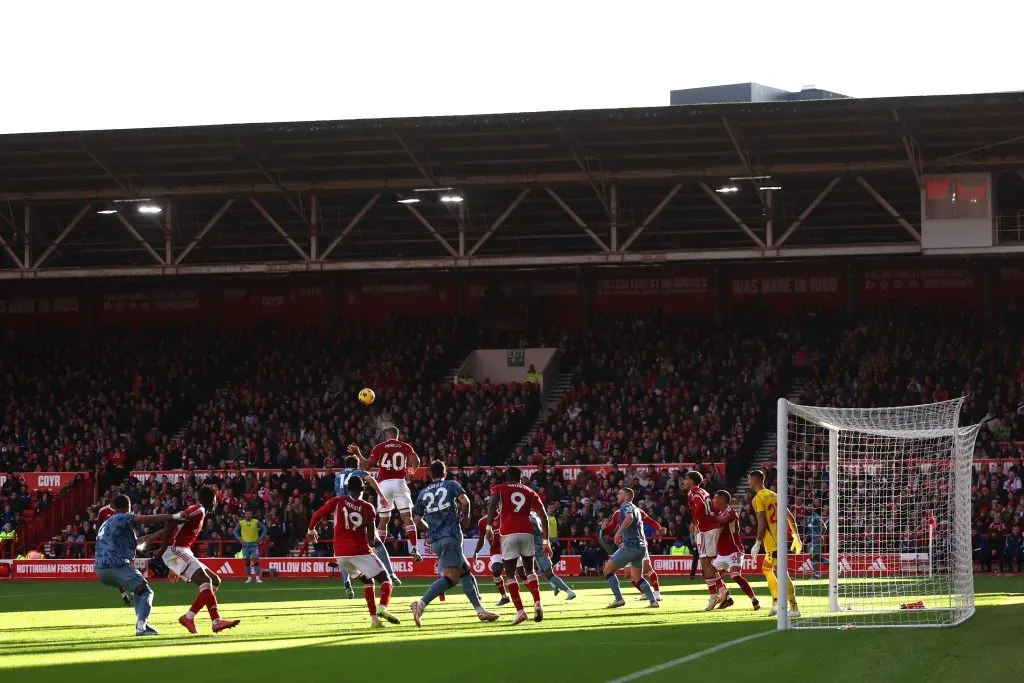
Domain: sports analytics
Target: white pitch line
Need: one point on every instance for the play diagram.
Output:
(689, 658)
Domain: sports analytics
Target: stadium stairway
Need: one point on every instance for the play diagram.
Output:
(552, 398)
(766, 452)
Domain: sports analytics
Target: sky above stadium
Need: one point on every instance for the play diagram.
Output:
(118, 64)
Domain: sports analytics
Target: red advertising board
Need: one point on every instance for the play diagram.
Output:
(954, 284)
(788, 289)
(668, 290)
(45, 481)
(553, 299)
(129, 306)
(29, 311)
(882, 564)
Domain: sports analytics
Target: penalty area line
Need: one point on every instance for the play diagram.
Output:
(689, 658)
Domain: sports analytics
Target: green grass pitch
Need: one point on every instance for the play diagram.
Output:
(306, 631)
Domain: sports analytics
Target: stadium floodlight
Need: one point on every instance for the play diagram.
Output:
(727, 189)
(452, 198)
(750, 177)
(882, 500)
(432, 189)
(769, 187)
(149, 209)
(107, 211)
(408, 200)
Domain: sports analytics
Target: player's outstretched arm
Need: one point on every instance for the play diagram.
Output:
(157, 519)
(318, 516)
(165, 536)
(658, 528)
(353, 449)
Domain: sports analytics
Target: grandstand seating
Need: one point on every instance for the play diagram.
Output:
(651, 389)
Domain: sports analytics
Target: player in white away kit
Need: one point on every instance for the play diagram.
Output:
(394, 459)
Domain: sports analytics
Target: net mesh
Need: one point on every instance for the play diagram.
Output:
(881, 497)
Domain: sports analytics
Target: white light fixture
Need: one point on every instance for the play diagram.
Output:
(432, 189)
(409, 200)
(106, 212)
(149, 209)
(750, 177)
(770, 187)
(451, 198)
(727, 189)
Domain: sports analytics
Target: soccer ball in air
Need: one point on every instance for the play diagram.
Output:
(366, 396)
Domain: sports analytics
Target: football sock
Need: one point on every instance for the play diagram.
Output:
(384, 557)
(385, 593)
(499, 583)
(711, 583)
(556, 581)
(513, 592)
(636, 585)
(368, 596)
(472, 591)
(613, 582)
(652, 579)
(410, 533)
(435, 589)
(200, 602)
(143, 605)
(773, 584)
(533, 584)
(743, 584)
(647, 590)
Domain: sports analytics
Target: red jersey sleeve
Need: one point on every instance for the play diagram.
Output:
(321, 514)
(647, 519)
(612, 524)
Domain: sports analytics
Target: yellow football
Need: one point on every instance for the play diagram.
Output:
(366, 396)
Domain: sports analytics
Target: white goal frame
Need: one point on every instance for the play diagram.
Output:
(953, 600)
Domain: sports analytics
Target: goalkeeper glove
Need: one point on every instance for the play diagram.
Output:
(797, 545)
(755, 550)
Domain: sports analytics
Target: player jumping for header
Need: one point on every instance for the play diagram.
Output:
(341, 480)
(632, 552)
(516, 501)
(116, 543)
(766, 505)
(178, 538)
(438, 510)
(353, 535)
(394, 459)
(730, 549)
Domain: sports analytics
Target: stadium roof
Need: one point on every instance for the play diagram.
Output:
(603, 186)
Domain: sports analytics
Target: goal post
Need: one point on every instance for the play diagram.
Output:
(881, 499)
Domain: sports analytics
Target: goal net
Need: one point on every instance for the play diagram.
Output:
(882, 500)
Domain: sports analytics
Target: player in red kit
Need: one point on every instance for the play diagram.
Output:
(354, 535)
(394, 459)
(706, 530)
(178, 538)
(730, 548)
(516, 501)
(492, 533)
(609, 529)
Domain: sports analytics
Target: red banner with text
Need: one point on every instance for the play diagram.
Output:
(245, 303)
(789, 289)
(47, 311)
(385, 297)
(152, 305)
(671, 291)
(45, 481)
(953, 284)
